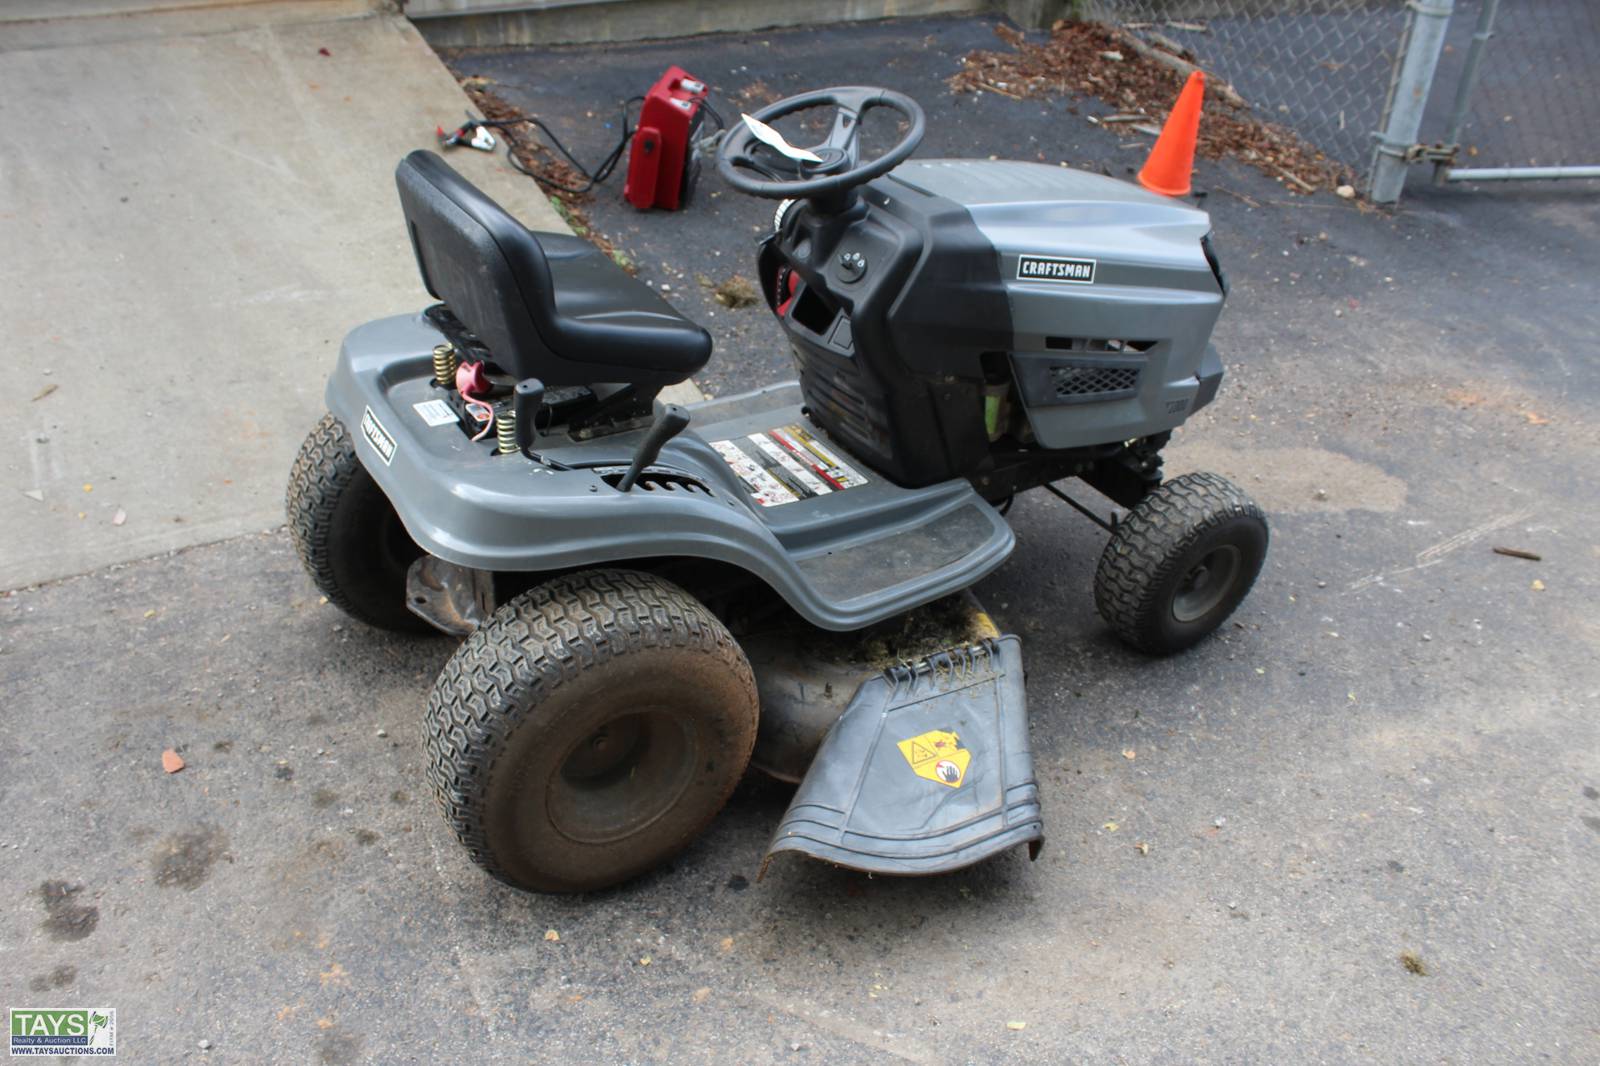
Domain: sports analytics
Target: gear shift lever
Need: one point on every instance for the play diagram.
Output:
(668, 424)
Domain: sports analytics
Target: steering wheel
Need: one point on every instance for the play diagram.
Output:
(835, 166)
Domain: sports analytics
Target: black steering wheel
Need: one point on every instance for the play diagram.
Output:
(838, 166)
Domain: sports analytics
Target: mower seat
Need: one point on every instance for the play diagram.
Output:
(546, 305)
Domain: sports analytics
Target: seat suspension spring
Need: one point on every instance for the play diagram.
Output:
(444, 365)
(505, 430)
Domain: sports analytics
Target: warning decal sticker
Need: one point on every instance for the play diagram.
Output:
(435, 412)
(938, 756)
(786, 464)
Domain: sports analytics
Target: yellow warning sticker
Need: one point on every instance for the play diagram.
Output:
(938, 756)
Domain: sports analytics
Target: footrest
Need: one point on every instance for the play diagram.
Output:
(928, 769)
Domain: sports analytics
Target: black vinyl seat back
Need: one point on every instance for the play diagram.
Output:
(546, 305)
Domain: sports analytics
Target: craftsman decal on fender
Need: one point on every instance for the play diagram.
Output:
(377, 436)
(1055, 268)
(938, 756)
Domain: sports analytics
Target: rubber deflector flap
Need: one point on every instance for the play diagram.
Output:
(927, 770)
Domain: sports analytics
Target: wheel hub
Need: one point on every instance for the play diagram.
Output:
(1206, 583)
(623, 776)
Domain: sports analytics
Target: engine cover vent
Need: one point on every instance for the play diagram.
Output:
(1081, 370)
(1075, 382)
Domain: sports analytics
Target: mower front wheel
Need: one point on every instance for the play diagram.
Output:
(589, 730)
(1180, 562)
(347, 534)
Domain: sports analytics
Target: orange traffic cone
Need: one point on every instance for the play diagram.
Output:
(1167, 169)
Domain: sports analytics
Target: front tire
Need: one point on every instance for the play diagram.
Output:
(1180, 563)
(589, 730)
(347, 534)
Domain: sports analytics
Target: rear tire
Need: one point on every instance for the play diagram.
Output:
(1180, 562)
(589, 730)
(347, 533)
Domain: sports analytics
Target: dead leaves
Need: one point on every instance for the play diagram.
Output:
(1075, 60)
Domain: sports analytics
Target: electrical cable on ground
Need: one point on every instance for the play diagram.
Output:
(592, 178)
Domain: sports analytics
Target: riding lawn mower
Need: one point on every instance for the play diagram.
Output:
(653, 597)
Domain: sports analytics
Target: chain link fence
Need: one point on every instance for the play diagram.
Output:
(1530, 98)
(1512, 86)
(1321, 67)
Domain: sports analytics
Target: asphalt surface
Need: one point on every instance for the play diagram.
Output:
(1394, 749)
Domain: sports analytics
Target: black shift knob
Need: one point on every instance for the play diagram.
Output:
(668, 424)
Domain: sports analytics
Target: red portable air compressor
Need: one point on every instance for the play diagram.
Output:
(662, 169)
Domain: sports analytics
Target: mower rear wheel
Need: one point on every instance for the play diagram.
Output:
(1180, 562)
(347, 534)
(589, 730)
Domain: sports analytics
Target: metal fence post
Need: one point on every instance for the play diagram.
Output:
(1429, 20)
(1469, 78)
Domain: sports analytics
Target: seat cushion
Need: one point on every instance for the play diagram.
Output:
(546, 305)
(600, 308)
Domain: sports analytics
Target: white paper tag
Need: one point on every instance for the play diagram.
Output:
(435, 412)
(773, 139)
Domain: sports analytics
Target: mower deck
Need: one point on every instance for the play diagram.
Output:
(843, 546)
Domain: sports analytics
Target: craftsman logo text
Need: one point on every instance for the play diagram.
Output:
(377, 436)
(1055, 268)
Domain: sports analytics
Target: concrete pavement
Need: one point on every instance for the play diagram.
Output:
(190, 222)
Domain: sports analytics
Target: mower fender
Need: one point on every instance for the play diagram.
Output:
(842, 561)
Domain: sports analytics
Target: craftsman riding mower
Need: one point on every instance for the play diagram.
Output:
(651, 593)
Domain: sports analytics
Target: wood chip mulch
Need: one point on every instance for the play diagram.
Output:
(551, 171)
(1074, 61)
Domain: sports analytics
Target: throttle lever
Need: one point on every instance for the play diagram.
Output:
(526, 400)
